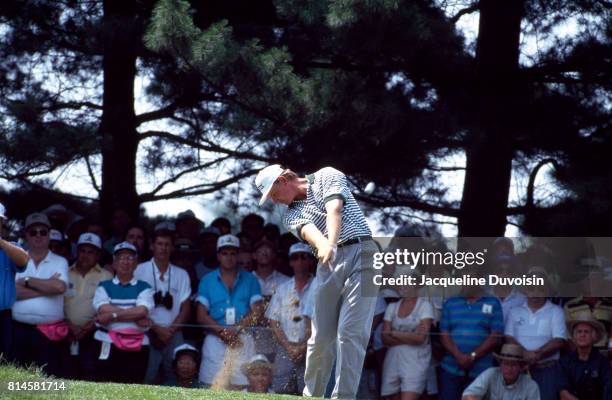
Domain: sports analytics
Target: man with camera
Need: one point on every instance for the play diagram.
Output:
(171, 291)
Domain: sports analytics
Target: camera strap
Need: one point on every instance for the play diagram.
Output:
(153, 268)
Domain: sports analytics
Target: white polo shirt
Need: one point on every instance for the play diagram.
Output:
(270, 284)
(42, 309)
(176, 280)
(514, 299)
(285, 308)
(534, 329)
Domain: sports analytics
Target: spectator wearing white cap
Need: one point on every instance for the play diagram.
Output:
(229, 300)
(13, 259)
(39, 310)
(287, 322)
(259, 374)
(79, 360)
(123, 305)
(59, 244)
(185, 363)
(171, 291)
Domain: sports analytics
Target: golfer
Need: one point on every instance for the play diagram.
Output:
(323, 212)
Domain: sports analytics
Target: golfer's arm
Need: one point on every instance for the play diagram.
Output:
(334, 220)
(313, 235)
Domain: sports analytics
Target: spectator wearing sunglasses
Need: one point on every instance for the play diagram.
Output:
(13, 259)
(288, 324)
(38, 313)
(172, 289)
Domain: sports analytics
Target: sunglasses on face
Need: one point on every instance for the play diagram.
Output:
(38, 232)
(302, 256)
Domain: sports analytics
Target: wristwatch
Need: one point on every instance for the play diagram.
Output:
(473, 355)
(114, 315)
(26, 282)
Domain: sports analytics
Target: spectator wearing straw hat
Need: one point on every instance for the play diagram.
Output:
(287, 322)
(585, 373)
(506, 382)
(79, 360)
(38, 313)
(186, 360)
(539, 327)
(259, 374)
(13, 259)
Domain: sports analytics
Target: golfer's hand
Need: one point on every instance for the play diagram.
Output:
(326, 252)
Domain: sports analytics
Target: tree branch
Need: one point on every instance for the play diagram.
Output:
(532, 177)
(208, 147)
(164, 112)
(468, 10)
(414, 204)
(191, 190)
(92, 176)
(183, 173)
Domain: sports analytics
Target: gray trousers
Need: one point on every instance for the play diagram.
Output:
(162, 358)
(344, 301)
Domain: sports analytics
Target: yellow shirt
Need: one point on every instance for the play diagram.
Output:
(78, 307)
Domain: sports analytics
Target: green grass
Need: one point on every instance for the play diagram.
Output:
(86, 390)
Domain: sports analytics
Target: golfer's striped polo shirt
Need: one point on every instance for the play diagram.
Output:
(324, 185)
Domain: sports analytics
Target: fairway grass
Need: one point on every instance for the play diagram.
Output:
(92, 390)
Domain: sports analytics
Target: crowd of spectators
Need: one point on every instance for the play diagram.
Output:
(184, 304)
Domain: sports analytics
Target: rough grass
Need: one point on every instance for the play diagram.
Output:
(90, 390)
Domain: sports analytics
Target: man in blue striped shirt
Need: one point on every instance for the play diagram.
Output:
(471, 327)
(13, 259)
(323, 212)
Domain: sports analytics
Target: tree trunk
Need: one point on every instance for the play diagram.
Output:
(118, 126)
(490, 148)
